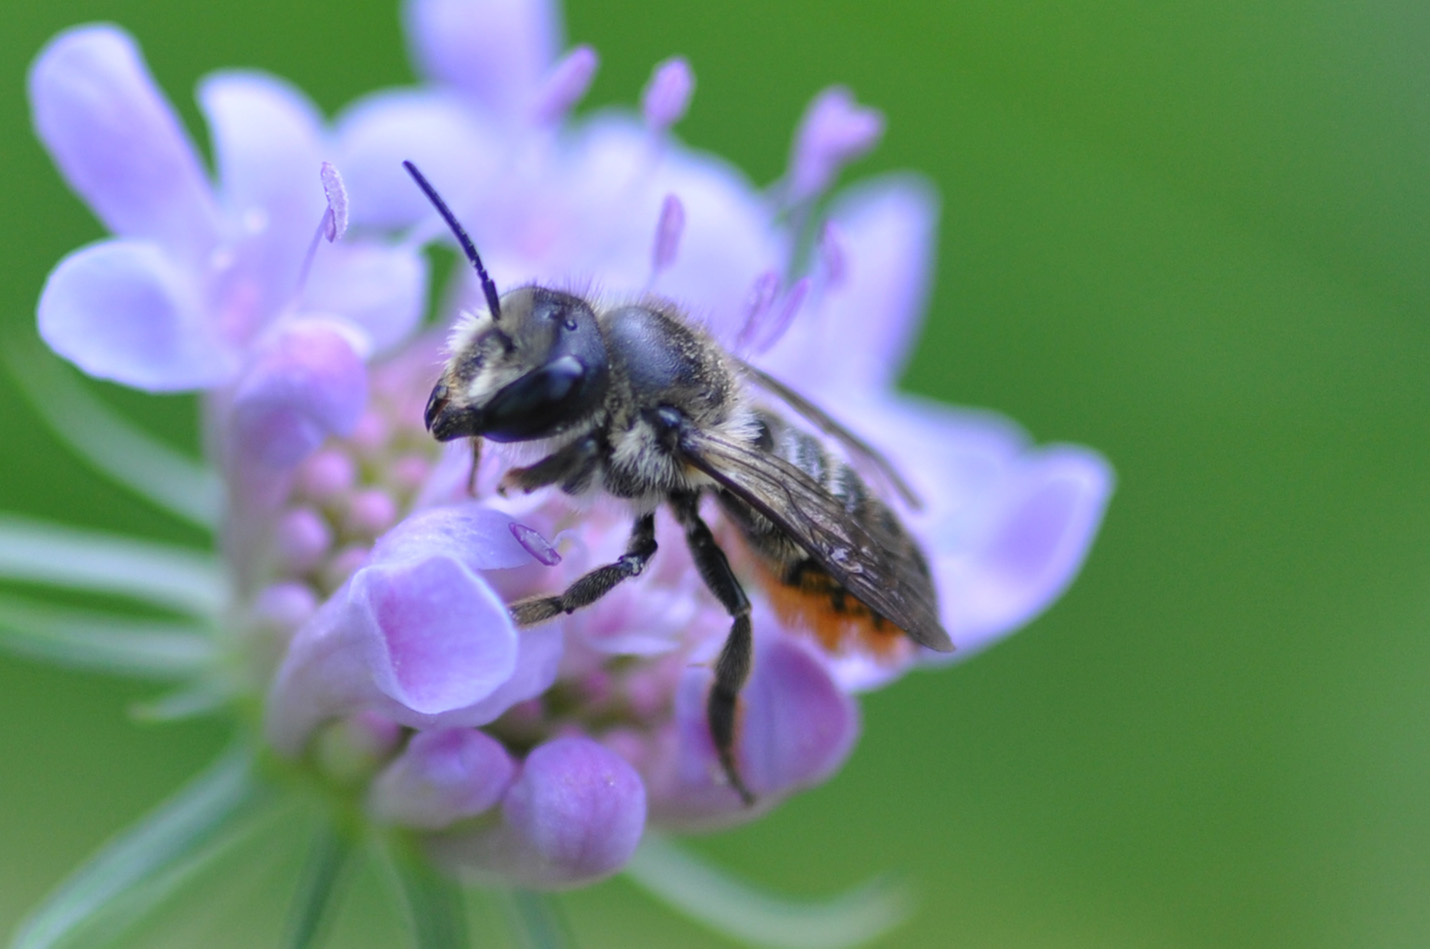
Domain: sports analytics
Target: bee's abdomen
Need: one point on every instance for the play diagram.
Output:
(801, 590)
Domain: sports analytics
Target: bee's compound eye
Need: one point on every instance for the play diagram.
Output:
(541, 402)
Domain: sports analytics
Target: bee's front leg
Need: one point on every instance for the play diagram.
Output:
(594, 585)
(476, 464)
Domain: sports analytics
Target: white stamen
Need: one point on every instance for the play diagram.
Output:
(337, 195)
(332, 225)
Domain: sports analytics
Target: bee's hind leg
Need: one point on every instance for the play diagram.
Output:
(594, 585)
(733, 666)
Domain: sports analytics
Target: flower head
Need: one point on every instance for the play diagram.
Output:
(367, 572)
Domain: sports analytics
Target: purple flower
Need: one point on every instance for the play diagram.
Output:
(416, 633)
(443, 775)
(361, 596)
(575, 814)
(203, 286)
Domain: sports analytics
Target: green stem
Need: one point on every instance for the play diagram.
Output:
(434, 903)
(322, 876)
(537, 920)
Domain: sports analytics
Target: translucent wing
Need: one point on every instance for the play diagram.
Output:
(872, 564)
(859, 448)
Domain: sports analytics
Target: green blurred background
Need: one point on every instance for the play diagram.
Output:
(1194, 236)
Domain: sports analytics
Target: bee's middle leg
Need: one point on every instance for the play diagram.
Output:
(594, 585)
(572, 467)
(733, 666)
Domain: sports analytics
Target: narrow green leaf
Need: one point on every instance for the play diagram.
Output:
(738, 910)
(434, 903)
(116, 447)
(180, 578)
(322, 875)
(176, 832)
(203, 696)
(537, 921)
(123, 922)
(118, 645)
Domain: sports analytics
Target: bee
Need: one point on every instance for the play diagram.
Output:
(636, 401)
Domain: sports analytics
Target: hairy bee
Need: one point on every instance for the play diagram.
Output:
(637, 402)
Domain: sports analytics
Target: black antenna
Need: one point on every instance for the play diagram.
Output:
(488, 287)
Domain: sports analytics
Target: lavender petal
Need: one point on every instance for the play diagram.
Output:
(538, 660)
(380, 290)
(305, 384)
(575, 815)
(443, 776)
(470, 533)
(797, 728)
(1032, 541)
(612, 187)
(122, 310)
(432, 128)
(428, 655)
(118, 142)
(268, 146)
(411, 639)
(864, 326)
(495, 51)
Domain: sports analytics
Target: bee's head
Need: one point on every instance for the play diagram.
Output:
(532, 366)
(531, 369)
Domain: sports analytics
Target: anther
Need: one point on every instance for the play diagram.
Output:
(334, 222)
(565, 85)
(835, 131)
(667, 96)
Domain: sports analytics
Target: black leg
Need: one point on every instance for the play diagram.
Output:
(476, 462)
(733, 666)
(594, 585)
(571, 467)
